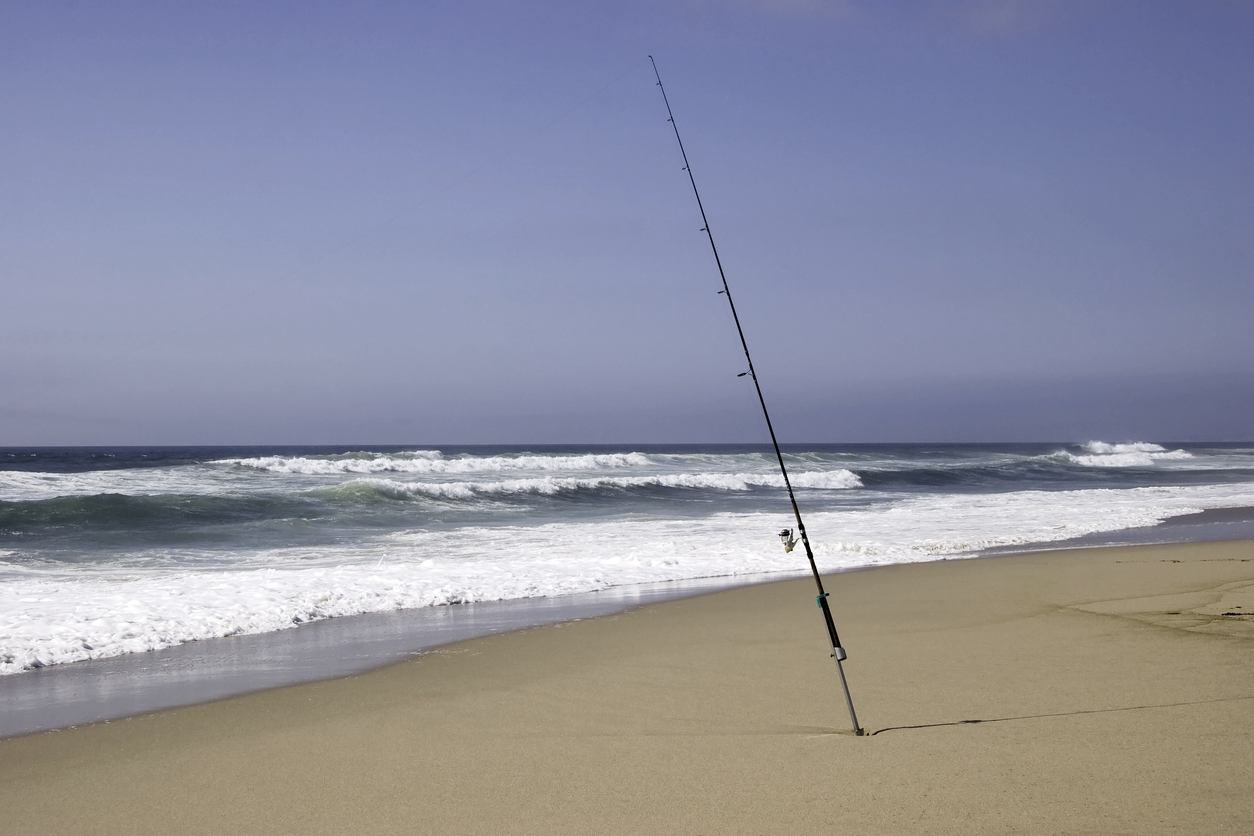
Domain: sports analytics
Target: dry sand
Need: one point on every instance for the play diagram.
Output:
(1098, 691)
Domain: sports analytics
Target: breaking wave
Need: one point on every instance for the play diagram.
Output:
(1133, 454)
(53, 618)
(552, 485)
(431, 461)
(110, 552)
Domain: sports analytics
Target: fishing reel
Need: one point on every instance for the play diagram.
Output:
(787, 539)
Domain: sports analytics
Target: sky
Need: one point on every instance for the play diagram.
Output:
(453, 223)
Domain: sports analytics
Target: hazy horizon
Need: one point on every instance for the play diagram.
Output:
(986, 221)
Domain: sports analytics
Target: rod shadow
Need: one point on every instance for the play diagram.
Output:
(1055, 714)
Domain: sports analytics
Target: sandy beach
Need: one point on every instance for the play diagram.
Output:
(1094, 691)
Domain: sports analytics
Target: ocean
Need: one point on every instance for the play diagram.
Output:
(105, 552)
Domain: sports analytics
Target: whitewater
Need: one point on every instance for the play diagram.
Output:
(108, 552)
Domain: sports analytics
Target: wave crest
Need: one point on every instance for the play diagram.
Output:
(52, 618)
(551, 485)
(1131, 454)
(433, 462)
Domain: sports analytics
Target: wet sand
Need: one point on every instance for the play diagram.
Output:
(197, 672)
(1094, 691)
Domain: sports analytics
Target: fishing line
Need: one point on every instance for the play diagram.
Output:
(786, 536)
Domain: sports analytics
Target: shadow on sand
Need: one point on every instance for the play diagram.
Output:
(1056, 714)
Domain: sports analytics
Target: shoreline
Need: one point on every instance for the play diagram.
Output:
(194, 673)
(102, 690)
(1086, 691)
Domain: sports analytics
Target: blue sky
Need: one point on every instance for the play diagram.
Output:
(466, 222)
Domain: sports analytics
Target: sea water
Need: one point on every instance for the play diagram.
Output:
(105, 552)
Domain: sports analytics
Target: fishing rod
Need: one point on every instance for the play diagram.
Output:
(838, 652)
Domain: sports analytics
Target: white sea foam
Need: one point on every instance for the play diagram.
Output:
(21, 486)
(1102, 448)
(52, 616)
(500, 474)
(201, 481)
(436, 463)
(821, 480)
(1133, 454)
